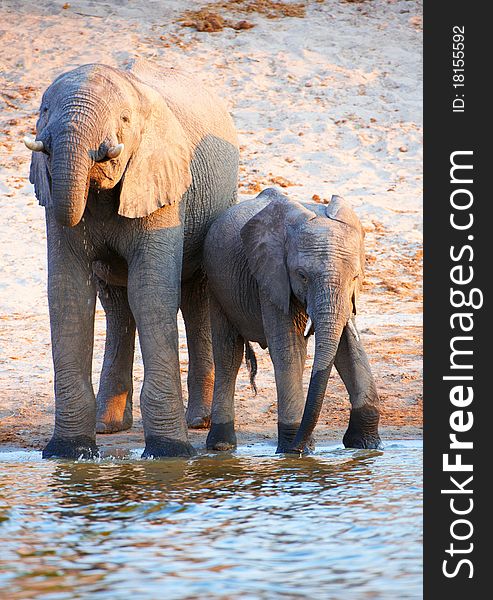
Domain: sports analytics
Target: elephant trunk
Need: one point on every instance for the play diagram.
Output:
(329, 322)
(71, 164)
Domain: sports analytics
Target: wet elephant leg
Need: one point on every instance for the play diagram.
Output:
(200, 380)
(114, 399)
(352, 364)
(228, 352)
(72, 298)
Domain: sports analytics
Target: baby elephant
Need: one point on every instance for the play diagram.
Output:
(279, 271)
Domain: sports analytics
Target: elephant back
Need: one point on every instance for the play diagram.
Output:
(198, 110)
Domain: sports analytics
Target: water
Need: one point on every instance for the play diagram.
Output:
(339, 524)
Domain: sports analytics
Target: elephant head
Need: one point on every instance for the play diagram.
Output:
(100, 127)
(316, 256)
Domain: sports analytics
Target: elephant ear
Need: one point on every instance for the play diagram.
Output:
(39, 175)
(264, 240)
(158, 172)
(340, 210)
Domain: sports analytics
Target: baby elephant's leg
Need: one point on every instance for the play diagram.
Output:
(228, 348)
(352, 364)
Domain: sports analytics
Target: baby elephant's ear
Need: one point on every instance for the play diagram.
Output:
(340, 210)
(263, 238)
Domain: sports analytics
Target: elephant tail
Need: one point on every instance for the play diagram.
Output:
(251, 363)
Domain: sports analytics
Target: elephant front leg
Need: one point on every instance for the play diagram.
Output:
(72, 297)
(228, 352)
(287, 348)
(200, 380)
(114, 399)
(290, 398)
(153, 294)
(352, 364)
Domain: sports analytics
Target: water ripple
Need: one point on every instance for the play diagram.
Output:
(338, 524)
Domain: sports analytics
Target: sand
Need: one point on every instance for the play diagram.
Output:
(328, 101)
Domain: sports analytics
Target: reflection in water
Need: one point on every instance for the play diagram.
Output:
(338, 524)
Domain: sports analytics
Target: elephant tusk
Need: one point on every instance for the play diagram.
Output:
(352, 328)
(308, 327)
(32, 144)
(115, 151)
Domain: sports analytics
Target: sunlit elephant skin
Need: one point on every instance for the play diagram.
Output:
(272, 263)
(132, 166)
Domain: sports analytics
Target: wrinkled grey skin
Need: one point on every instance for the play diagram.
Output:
(146, 211)
(270, 262)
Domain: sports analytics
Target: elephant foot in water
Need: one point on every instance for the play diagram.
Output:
(81, 446)
(157, 447)
(286, 432)
(221, 437)
(362, 431)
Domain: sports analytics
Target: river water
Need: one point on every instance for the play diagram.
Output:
(340, 524)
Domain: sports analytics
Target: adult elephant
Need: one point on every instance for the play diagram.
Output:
(132, 167)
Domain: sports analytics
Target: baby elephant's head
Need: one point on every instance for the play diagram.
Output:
(315, 255)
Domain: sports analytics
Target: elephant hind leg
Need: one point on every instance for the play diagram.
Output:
(200, 381)
(228, 354)
(114, 399)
